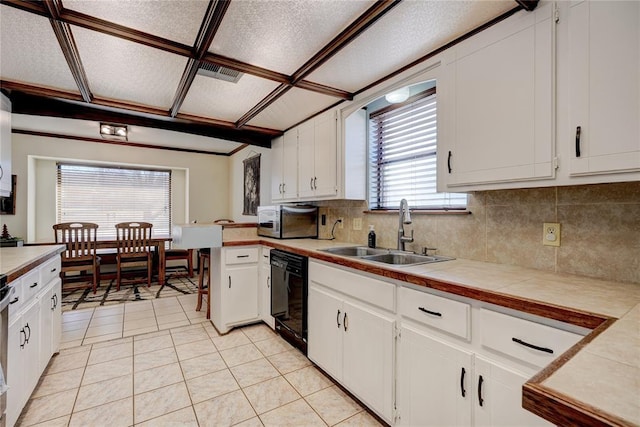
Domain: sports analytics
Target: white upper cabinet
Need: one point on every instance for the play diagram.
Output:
(317, 161)
(317, 157)
(5, 146)
(497, 115)
(604, 87)
(284, 175)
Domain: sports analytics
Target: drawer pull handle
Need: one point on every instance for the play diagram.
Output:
(242, 256)
(229, 282)
(535, 347)
(462, 374)
(433, 313)
(34, 285)
(338, 319)
(53, 270)
(14, 301)
(22, 343)
(480, 399)
(578, 132)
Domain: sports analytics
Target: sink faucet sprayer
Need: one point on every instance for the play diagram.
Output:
(403, 218)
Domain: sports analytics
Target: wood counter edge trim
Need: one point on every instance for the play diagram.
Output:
(559, 408)
(33, 264)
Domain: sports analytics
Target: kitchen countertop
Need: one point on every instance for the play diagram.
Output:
(16, 261)
(597, 382)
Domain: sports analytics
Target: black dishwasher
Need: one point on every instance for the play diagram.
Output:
(289, 274)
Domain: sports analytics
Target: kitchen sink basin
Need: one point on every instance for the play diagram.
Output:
(400, 258)
(358, 251)
(387, 256)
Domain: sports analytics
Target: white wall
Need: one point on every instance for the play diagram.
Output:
(201, 187)
(236, 181)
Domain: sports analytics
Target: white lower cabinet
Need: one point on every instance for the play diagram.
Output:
(50, 314)
(498, 396)
(23, 357)
(434, 381)
(234, 290)
(264, 288)
(35, 328)
(352, 341)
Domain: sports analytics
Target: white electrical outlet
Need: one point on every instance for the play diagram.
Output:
(551, 234)
(357, 224)
(341, 223)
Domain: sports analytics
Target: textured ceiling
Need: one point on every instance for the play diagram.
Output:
(140, 57)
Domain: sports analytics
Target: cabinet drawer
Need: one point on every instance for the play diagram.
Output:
(364, 288)
(31, 285)
(50, 270)
(447, 315)
(528, 341)
(241, 255)
(17, 299)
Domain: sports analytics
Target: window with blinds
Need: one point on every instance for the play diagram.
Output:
(402, 156)
(107, 195)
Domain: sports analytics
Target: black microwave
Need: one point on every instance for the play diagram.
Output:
(288, 221)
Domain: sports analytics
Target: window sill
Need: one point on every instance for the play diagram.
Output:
(419, 212)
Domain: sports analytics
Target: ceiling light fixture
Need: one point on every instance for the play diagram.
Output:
(111, 131)
(398, 96)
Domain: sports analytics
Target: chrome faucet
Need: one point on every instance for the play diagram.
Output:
(404, 217)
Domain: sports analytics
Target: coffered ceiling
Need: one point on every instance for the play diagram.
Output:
(139, 62)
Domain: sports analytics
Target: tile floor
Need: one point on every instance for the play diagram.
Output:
(149, 364)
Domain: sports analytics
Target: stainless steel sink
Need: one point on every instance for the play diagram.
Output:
(357, 251)
(400, 258)
(387, 256)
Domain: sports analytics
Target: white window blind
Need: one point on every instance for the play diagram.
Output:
(107, 195)
(402, 157)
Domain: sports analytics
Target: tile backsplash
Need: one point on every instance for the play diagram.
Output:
(600, 229)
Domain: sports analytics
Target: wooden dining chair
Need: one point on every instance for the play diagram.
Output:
(80, 252)
(134, 247)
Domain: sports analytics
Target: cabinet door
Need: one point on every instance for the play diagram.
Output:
(277, 166)
(500, 106)
(306, 156)
(604, 63)
(240, 294)
(56, 318)
(498, 398)
(325, 317)
(264, 292)
(31, 322)
(46, 307)
(16, 395)
(290, 165)
(325, 178)
(368, 348)
(434, 384)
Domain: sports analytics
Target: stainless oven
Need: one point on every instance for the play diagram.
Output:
(5, 296)
(289, 275)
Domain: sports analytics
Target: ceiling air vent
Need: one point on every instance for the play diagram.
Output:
(219, 72)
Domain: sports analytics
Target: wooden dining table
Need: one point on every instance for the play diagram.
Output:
(158, 242)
